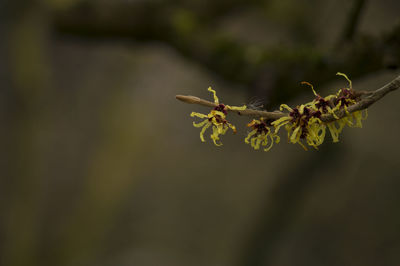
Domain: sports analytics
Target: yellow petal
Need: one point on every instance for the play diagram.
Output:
(321, 134)
(301, 109)
(278, 139)
(204, 130)
(200, 124)
(329, 97)
(345, 109)
(312, 105)
(246, 140)
(253, 122)
(332, 111)
(253, 142)
(239, 108)
(264, 138)
(270, 145)
(220, 129)
(309, 84)
(334, 132)
(232, 127)
(285, 106)
(295, 135)
(345, 76)
(214, 94)
(258, 142)
(195, 114)
(215, 136)
(342, 123)
(216, 143)
(215, 112)
(281, 122)
(358, 117)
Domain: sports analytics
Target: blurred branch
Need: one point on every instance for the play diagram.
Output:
(364, 103)
(194, 35)
(352, 20)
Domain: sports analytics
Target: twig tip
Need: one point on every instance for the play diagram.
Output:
(188, 99)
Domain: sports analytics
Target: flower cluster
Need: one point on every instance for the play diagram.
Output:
(217, 119)
(261, 135)
(304, 122)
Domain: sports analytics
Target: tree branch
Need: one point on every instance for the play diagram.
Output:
(371, 98)
(248, 112)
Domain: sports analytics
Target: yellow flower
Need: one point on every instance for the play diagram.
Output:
(217, 119)
(322, 104)
(316, 131)
(332, 103)
(344, 98)
(261, 135)
(303, 123)
(358, 116)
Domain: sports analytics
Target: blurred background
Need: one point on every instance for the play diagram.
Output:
(100, 165)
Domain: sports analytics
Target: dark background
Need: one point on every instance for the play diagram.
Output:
(100, 165)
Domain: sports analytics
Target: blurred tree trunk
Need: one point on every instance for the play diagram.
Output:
(34, 153)
(27, 94)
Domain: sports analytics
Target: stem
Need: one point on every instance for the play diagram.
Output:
(248, 112)
(373, 96)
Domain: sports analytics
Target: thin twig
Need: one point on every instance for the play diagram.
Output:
(248, 112)
(372, 97)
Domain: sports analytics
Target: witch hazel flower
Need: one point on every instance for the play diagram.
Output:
(328, 105)
(345, 98)
(303, 124)
(216, 119)
(261, 135)
(331, 104)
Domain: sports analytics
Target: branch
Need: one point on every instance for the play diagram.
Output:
(371, 98)
(248, 112)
